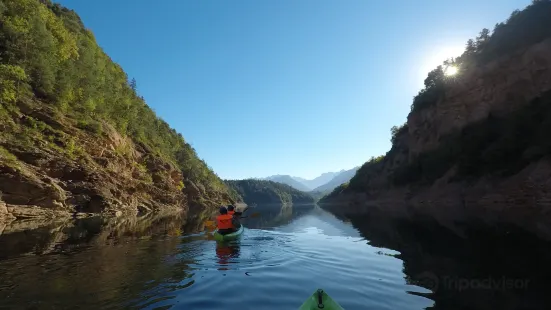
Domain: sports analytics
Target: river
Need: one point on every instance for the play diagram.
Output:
(364, 262)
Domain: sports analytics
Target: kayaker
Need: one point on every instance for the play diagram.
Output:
(236, 216)
(231, 210)
(225, 222)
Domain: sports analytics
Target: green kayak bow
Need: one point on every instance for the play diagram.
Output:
(320, 300)
(232, 236)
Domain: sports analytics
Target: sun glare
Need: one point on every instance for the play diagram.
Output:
(451, 70)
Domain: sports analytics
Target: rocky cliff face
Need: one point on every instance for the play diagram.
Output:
(479, 152)
(82, 172)
(496, 88)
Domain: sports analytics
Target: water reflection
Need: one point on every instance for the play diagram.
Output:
(365, 262)
(270, 216)
(93, 262)
(475, 267)
(226, 252)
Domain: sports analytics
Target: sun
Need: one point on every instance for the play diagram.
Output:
(451, 71)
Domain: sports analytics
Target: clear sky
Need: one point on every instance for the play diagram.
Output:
(299, 87)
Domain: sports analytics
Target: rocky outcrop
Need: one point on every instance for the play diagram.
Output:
(82, 173)
(496, 88)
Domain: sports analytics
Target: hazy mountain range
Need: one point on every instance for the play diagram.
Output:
(324, 183)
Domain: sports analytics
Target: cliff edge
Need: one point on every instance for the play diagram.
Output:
(476, 144)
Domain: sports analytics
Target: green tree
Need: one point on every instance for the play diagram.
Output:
(133, 84)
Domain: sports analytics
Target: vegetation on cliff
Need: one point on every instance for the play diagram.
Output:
(59, 90)
(268, 192)
(497, 146)
(522, 29)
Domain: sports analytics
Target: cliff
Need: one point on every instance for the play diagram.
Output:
(475, 145)
(75, 136)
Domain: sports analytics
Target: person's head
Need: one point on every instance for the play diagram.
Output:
(223, 210)
(230, 208)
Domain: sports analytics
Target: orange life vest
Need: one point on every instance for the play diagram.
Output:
(224, 221)
(231, 212)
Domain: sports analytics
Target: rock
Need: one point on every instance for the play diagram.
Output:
(143, 209)
(3, 209)
(32, 211)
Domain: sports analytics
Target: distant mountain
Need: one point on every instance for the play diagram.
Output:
(289, 180)
(319, 181)
(339, 179)
(253, 191)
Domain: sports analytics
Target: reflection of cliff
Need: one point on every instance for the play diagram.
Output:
(273, 216)
(120, 266)
(21, 237)
(459, 265)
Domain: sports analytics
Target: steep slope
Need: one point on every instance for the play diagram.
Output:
(289, 180)
(268, 192)
(339, 179)
(74, 134)
(475, 145)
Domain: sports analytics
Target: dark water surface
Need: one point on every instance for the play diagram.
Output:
(367, 262)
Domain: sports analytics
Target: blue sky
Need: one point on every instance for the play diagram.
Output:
(299, 87)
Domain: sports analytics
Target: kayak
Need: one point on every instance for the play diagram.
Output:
(320, 300)
(232, 236)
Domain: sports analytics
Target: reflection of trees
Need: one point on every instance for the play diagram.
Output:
(275, 215)
(123, 263)
(474, 253)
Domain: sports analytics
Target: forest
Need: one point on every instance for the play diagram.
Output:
(253, 191)
(48, 57)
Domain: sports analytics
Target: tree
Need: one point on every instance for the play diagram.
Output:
(434, 78)
(471, 47)
(133, 84)
(482, 38)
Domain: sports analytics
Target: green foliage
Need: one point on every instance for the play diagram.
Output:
(336, 191)
(11, 81)
(36, 124)
(268, 192)
(46, 51)
(6, 155)
(72, 149)
(397, 131)
(522, 29)
(366, 172)
(90, 125)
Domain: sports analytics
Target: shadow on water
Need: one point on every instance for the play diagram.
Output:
(475, 268)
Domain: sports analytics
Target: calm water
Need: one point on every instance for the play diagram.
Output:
(368, 262)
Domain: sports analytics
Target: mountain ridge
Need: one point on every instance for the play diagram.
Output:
(306, 185)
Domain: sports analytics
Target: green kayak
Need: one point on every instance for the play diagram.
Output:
(320, 300)
(231, 236)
